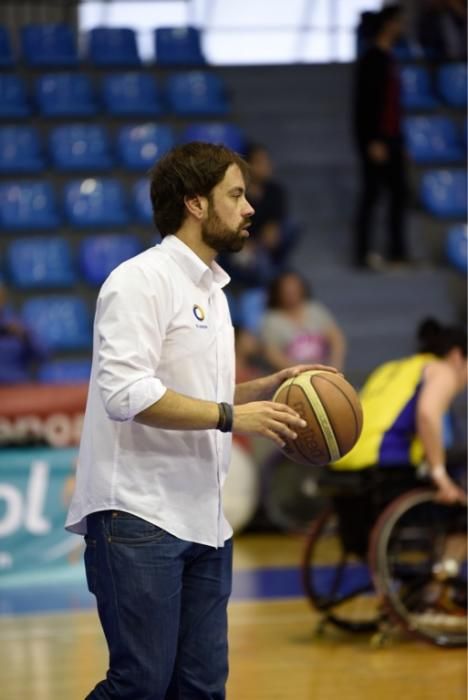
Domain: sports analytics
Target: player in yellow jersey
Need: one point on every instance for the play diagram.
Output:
(404, 404)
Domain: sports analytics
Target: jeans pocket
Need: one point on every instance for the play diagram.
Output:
(125, 528)
(90, 564)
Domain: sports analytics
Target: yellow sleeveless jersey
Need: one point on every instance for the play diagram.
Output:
(389, 401)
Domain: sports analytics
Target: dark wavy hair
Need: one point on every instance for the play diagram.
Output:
(187, 171)
(439, 339)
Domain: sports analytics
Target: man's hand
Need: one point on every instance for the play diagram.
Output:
(269, 419)
(274, 381)
(377, 151)
(448, 491)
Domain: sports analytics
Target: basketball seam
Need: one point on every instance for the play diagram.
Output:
(356, 422)
(296, 445)
(323, 420)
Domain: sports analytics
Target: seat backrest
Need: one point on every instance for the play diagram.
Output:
(27, 205)
(456, 247)
(113, 46)
(451, 83)
(178, 46)
(64, 372)
(444, 192)
(49, 45)
(99, 255)
(95, 202)
(40, 263)
(59, 322)
(6, 53)
(251, 307)
(131, 92)
(196, 92)
(140, 146)
(76, 146)
(142, 202)
(65, 94)
(19, 149)
(13, 102)
(216, 132)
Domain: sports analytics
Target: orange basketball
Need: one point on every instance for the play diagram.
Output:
(332, 410)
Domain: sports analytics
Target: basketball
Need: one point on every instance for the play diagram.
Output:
(332, 410)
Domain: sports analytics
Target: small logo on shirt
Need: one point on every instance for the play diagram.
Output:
(198, 313)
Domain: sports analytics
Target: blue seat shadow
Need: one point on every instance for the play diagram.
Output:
(59, 322)
(140, 146)
(40, 263)
(20, 150)
(99, 255)
(95, 202)
(113, 46)
(80, 147)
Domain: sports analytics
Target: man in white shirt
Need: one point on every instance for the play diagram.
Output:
(156, 438)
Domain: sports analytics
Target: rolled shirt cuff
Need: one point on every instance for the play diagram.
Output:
(144, 393)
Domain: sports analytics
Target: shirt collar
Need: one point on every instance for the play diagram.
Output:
(193, 266)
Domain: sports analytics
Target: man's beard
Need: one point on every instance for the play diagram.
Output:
(218, 237)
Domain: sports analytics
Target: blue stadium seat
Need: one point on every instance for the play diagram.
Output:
(432, 140)
(99, 255)
(111, 46)
(13, 102)
(6, 54)
(443, 193)
(20, 151)
(178, 46)
(251, 307)
(65, 95)
(216, 132)
(140, 146)
(46, 45)
(80, 147)
(451, 83)
(417, 92)
(130, 94)
(59, 322)
(142, 202)
(456, 248)
(64, 372)
(196, 92)
(95, 202)
(40, 263)
(27, 205)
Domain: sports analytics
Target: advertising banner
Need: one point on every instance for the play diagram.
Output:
(35, 488)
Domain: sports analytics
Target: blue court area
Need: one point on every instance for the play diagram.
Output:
(67, 591)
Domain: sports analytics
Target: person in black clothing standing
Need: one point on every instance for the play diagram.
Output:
(377, 126)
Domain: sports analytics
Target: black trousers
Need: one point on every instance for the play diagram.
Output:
(377, 179)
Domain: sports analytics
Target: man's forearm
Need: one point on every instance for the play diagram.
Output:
(176, 411)
(430, 433)
(256, 390)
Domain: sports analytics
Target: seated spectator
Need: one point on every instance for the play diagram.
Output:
(442, 29)
(272, 233)
(297, 329)
(19, 350)
(248, 355)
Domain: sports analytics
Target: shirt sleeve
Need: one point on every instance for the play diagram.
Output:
(132, 317)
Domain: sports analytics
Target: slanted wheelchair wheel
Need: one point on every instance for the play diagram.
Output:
(419, 565)
(337, 584)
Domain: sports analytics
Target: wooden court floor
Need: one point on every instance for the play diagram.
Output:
(274, 652)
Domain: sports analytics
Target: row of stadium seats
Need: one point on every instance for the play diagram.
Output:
(88, 203)
(102, 202)
(435, 139)
(44, 45)
(121, 94)
(49, 263)
(79, 147)
(423, 91)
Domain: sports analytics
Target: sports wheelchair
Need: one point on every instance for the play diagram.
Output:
(384, 554)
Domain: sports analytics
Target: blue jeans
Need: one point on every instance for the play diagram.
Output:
(162, 603)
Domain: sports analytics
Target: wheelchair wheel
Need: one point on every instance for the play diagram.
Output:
(419, 566)
(337, 584)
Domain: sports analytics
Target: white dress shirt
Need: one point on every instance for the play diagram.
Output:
(162, 321)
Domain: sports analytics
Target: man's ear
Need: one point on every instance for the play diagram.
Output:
(197, 206)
